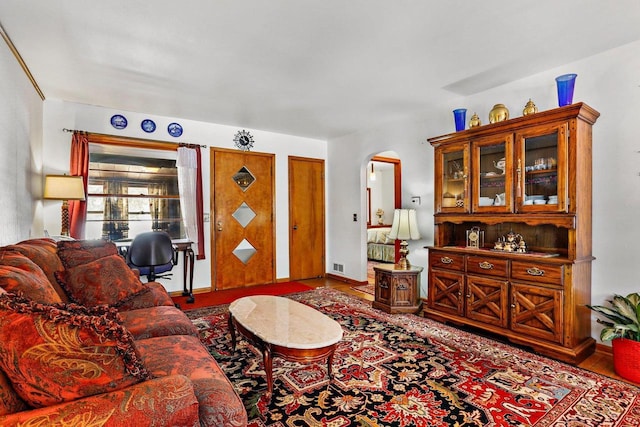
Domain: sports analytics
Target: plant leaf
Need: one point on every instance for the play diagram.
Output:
(609, 313)
(607, 334)
(625, 308)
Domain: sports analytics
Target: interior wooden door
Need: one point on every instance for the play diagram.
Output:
(243, 219)
(306, 218)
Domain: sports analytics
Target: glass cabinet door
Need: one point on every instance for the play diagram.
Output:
(541, 170)
(452, 188)
(493, 174)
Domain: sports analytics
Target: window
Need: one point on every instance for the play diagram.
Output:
(132, 190)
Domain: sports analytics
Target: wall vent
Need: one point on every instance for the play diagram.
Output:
(338, 267)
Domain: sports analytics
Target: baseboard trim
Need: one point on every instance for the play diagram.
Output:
(603, 348)
(346, 280)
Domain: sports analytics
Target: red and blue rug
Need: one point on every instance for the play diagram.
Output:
(404, 370)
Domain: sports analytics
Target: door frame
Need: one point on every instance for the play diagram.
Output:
(397, 190)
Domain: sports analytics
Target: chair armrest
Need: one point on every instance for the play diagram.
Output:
(168, 400)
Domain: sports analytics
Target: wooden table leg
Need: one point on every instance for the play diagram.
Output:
(267, 358)
(329, 363)
(233, 333)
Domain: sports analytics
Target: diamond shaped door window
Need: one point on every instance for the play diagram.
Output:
(244, 251)
(244, 214)
(244, 178)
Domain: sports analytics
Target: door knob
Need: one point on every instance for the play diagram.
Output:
(295, 227)
(219, 225)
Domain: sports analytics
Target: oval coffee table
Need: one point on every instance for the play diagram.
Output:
(282, 327)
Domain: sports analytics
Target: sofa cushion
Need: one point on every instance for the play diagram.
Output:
(76, 252)
(106, 280)
(44, 253)
(10, 402)
(52, 355)
(157, 322)
(167, 401)
(156, 296)
(19, 274)
(220, 405)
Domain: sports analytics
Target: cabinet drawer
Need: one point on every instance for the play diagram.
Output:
(487, 266)
(446, 260)
(536, 272)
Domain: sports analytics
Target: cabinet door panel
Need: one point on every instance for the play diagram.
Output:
(492, 174)
(536, 311)
(487, 300)
(445, 291)
(452, 183)
(383, 287)
(542, 170)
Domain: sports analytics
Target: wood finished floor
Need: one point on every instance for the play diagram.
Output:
(600, 362)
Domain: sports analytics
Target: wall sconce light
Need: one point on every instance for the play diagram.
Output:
(372, 175)
(404, 227)
(65, 188)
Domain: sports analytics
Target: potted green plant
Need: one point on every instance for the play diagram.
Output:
(622, 328)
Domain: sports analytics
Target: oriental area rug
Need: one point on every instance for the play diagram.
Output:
(404, 370)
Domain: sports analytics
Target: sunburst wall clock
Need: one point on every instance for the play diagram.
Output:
(243, 140)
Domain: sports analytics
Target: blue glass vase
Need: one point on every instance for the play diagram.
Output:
(565, 84)
(459, 115)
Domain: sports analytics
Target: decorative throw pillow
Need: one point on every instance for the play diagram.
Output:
(44, 253)
(51, 355)
(76, 252)
(19, 274)
(107, 280)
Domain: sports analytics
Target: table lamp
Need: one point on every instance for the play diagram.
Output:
(65, 188)
(404, 227)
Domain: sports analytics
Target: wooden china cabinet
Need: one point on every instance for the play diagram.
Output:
(512, 245)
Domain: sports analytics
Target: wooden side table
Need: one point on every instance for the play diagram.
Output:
(397, 290)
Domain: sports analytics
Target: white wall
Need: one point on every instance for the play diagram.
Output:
(21, 148)
(608, 82)
(59, 114)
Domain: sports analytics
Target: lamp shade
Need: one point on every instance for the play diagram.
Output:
(63, 187)
(405, 225)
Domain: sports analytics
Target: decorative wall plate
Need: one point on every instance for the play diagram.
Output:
(118, 121)
(148, 125)
(174, 129)
(243, 140)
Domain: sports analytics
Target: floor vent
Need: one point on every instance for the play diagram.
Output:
(338, 267)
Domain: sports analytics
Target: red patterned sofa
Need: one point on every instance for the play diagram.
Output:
(84, 342)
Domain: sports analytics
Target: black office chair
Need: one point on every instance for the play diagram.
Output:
(153, 254)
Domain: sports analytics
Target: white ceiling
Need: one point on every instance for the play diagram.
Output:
(316, 68)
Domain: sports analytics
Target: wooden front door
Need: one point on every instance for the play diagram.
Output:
(306, 218)
(243, 219)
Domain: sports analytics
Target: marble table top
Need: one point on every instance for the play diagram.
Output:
(284, 322)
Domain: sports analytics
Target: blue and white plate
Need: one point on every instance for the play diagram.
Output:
(174, 129)
(148, 125)
(118, 121)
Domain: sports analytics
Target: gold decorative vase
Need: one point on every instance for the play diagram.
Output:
(530, 108)
(474, 121)
(498, 113)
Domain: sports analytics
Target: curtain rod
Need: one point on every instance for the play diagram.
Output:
(142, 139)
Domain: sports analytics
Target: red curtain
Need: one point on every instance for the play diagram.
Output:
(79, 166)
(200, 205)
